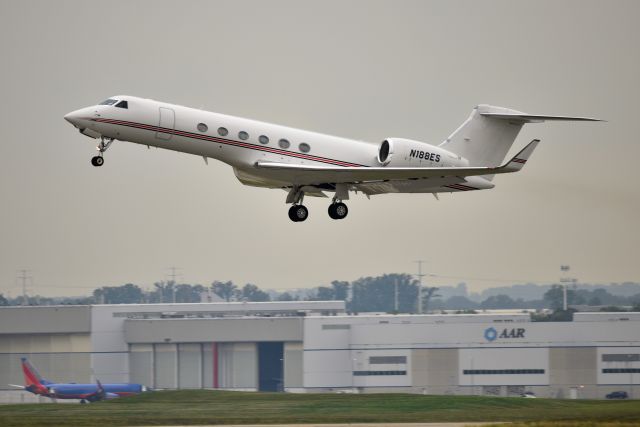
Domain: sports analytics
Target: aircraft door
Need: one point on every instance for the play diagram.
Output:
(167, 120)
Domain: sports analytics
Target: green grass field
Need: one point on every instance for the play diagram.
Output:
(216, 407)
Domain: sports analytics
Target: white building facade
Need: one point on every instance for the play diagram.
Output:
(316, 347)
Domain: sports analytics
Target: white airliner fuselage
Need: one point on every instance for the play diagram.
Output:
(303, 162)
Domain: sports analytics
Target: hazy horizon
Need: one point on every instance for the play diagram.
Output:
(363, 69)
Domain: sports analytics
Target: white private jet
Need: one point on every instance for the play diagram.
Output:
(308, 163)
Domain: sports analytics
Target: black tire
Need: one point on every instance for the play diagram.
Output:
(341, 211)
(83, 401)
(332, 211)
(298, 213)
(97, 161)
(292, 213)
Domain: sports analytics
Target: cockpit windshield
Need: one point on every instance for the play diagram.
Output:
(108, 102)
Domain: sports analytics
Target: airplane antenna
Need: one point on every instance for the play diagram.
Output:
(24, 277)
(420, 275)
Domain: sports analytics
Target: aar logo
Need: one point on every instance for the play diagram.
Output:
(490, 334)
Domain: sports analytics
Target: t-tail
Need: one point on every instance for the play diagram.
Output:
(487, 135)
(32, 379)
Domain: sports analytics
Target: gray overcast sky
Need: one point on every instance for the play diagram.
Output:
(359, 69)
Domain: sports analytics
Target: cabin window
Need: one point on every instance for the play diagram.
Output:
(203, 127)
(304, 147)
(264, 139)
(243, 135)
(223, 131)
(283, 143)
(108, 102)
(122, 104)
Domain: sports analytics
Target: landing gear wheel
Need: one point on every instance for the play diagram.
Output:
(338, 210)
(83, 401)
(298, 213)
(97, 161)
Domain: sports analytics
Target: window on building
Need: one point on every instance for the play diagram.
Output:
(381, 360)
(621, 371)
(203, 127)
(223, 131)
(264, 139)
(502, 371)
(325, 327)
(243, 135)
(283, 143)
(369, 373)
(621, 357)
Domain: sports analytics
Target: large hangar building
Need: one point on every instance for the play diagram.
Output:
(317, 347)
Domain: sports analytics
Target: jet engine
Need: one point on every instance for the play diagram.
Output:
(398, 152)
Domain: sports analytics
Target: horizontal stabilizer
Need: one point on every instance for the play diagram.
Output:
(518, 161)
(518, 116)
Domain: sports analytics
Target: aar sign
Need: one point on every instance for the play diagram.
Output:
(491, 334)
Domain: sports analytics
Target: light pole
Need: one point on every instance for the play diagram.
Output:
(420, 276)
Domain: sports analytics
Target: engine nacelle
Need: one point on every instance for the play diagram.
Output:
(399, 152)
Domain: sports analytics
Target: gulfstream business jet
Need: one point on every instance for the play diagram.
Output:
(312, 164)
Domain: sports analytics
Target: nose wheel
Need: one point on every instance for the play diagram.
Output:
(338, 210)
(102, 147)
(97, 161)
(298, 213)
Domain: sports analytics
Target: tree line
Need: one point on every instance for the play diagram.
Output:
(389, 293)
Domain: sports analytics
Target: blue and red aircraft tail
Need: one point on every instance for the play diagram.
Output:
(33, 381)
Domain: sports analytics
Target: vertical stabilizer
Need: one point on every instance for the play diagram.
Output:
(485, 140)
(31, 376)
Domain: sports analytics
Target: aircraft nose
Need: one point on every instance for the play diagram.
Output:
(74, 117)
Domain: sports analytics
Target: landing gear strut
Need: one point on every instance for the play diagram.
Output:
(338, 210)
(102, 147)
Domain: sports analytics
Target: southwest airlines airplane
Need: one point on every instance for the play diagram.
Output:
(35, 384)
(307, 163)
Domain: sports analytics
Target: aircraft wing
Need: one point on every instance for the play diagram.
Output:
(310, 175)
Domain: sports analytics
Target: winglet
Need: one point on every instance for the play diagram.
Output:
(518, 161)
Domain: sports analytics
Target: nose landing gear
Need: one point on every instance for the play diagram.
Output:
(102, 147)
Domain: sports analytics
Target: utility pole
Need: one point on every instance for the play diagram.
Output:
(420, 276)
(395, 294)
(23, 277)
(173, 275)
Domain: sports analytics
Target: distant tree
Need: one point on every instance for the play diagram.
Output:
(340, 290)
(125, 294)
(556, 316)
(324, 294)
(164, 292)
(554, 297)
(286, 296)
(225, 290)
(253, 293)
(498, 302)
(460, 303)
(189, 293)
(3, 300)
(612, 309)
(378, 293)
(428, 294)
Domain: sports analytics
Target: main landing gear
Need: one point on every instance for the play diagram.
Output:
(338, 210)
(299, 212)
(102, 147)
